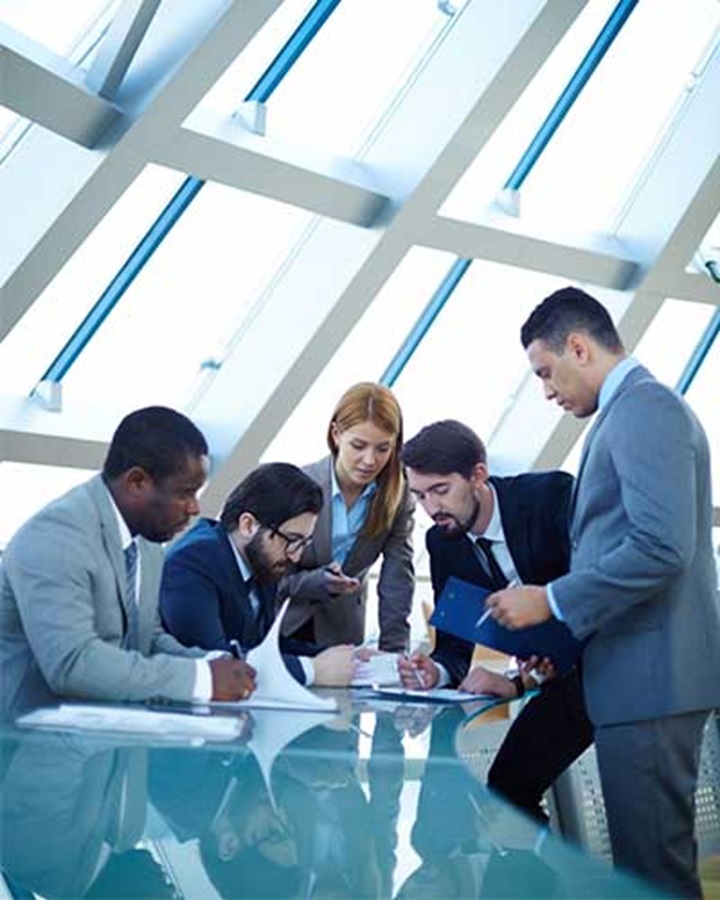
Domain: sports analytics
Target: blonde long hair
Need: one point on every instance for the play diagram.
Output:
(371, 402)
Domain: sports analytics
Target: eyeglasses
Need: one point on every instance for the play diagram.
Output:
(294, 543)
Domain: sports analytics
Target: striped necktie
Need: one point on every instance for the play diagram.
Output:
(132, 637)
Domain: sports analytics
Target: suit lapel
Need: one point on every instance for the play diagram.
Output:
(516, 524)
(111, 537)
(636, 374)
(320, 551)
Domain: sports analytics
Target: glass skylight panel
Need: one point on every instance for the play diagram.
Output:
(482, 182)
(364, 354)
(37, 338)
(26, 488)
(671, 338)
(238, 80)
(60, 26)
(585, 173)
(352, 70)
(608, 136)
(196, 289)
(471, 361)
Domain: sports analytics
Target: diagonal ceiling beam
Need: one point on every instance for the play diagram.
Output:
(47, 89)
(221, 150)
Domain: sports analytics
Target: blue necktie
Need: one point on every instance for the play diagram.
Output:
(132, 638)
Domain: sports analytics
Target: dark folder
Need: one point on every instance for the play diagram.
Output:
(461, 605)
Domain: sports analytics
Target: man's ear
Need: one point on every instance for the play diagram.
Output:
(480, 474)
(135, 482)
(579, 346)
(247, 525)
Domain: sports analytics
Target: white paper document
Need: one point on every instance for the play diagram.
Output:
(133, 720)
(276, 688)
(378, 671)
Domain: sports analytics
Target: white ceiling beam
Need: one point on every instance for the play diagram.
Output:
(222, 150)
(596, 259)
(46, 88)
(119, 46)
(475, 75)
(188, 48)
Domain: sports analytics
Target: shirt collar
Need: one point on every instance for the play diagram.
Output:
(615, 378)
(240, 560)
(494, 530)
(125, 537)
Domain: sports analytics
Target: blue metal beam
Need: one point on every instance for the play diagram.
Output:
(699, 353)
(188, 191)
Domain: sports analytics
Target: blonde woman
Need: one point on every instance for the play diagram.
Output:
(367, 514)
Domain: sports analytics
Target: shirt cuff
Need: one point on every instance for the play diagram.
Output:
(308, 669)
(202, 690)
(443, 676)
(552, 603)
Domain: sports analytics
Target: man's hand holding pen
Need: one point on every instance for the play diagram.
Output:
(417, 672)
(232, 678)
(519, 606)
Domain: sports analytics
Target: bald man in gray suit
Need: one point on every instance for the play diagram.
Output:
(641, 590)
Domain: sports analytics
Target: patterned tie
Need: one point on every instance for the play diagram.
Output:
(490, 564)
(132, 638)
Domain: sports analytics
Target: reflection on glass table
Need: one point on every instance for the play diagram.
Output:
(375, 801)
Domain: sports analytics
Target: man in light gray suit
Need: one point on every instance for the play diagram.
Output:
(79, 583)
(641, 587)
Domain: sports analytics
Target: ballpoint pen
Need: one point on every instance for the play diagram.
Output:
(236, 649)
(488, 611)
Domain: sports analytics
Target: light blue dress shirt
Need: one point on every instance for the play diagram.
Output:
(348, 523)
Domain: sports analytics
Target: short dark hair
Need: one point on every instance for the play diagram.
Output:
(567, 310)
(157, 439)
(444, 447)
(273, 493)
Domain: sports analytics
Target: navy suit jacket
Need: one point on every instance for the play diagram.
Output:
(204, 601)
(534, 514)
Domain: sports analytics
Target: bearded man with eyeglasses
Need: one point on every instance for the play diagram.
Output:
(219, 582)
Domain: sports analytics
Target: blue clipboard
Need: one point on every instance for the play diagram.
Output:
(461, 605)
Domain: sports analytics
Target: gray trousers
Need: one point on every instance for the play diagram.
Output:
(649, 773)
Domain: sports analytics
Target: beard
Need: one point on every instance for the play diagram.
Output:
(263, 568)
(461, 525)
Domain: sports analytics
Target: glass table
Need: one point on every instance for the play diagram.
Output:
(382, 799)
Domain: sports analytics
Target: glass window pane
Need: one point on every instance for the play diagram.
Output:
(671, 337)
(363, 356)
(587, 169)
(471, 361)
(191, 296)
(38, 337)
(597, 153)
(26, 488)
(241, 76)
(60, 26)
(491, 169)
(353, 68)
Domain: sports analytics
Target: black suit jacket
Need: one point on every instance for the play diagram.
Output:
(534, 514)
(204, 601)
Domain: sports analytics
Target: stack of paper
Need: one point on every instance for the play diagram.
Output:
(133, 720)
(276, 688)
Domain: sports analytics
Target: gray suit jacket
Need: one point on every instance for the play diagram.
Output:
(63, 609)
(642, 581)
(341, 619)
